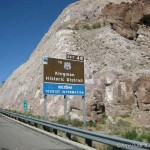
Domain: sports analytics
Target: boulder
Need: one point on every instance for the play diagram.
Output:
(143, 92)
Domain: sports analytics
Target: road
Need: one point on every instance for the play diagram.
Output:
(14, 136)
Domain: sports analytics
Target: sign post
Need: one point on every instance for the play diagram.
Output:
(65, 108)
(79, 58)
(45, 107)
(84, 111)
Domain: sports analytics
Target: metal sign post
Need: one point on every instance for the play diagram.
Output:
(65, 108)
(45, 107)
(84, 111)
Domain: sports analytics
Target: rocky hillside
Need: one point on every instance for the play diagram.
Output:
(114, 38)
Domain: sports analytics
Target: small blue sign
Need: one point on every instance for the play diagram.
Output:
(63, 89)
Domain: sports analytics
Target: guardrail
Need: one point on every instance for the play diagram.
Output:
(116, 142)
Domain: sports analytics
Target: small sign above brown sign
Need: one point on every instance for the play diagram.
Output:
(63, 71)
(74, 57)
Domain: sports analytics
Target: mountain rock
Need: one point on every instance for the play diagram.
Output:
(127, 18)
(114, 38)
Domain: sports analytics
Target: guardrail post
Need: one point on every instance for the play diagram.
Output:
(55, 131)
(39, 126)
(45, 128)
(29, 122)
(88, 142)
(36, 125)
(68, 135)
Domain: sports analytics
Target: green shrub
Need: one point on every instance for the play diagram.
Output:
(123, 123)
(14, 111)
(75, 138)
(40, 117)
(86, 26)
(103, 119)
(76, 123)
(132, 135)
(107, 47)
(125, 116)
(91, 124)
(108, 147)
(144, 137)
(96, 25)
(61, 120)
(93, 26)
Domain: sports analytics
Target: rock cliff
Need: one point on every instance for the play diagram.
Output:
(114, 38)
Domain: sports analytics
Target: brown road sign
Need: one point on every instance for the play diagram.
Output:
(63, 71)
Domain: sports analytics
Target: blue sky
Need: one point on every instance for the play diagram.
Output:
(23, 23)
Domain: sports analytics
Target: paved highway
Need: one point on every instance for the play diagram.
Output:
(14, 136)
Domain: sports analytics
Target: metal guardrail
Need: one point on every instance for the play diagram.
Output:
(116, 142)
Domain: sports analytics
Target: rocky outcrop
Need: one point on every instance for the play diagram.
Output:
(116, 94)
(127, 18)
(117, 70)
(142, 92)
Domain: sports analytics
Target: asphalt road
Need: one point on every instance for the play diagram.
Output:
(13, 136)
